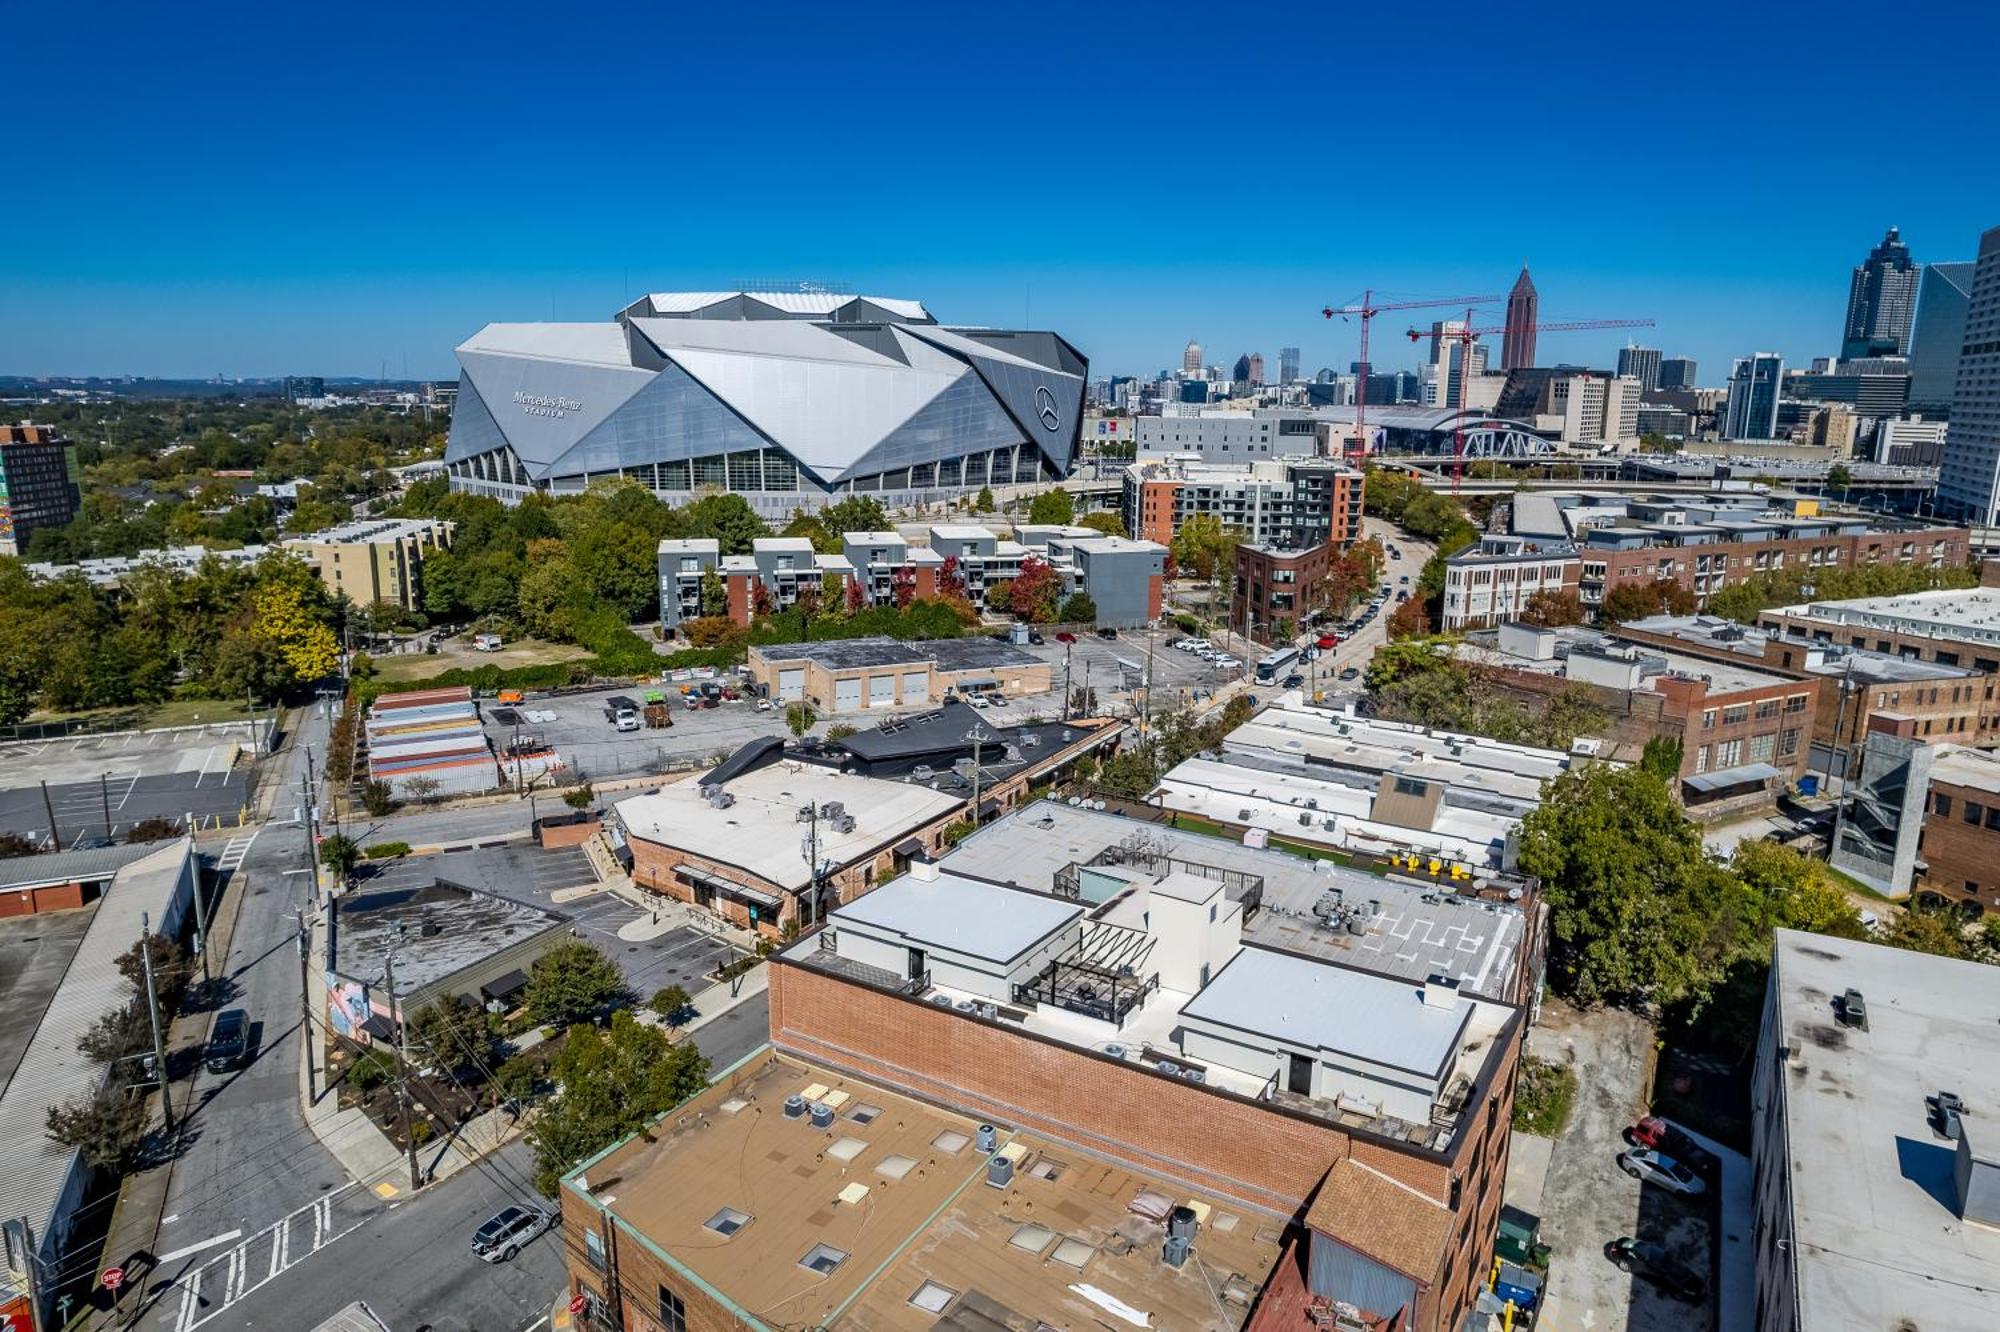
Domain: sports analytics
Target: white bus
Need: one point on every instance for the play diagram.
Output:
(1277, 666)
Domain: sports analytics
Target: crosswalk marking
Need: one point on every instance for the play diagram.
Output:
(267, 1255)
(234, 851)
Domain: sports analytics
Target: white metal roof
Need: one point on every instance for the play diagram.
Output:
(959, 915)
(52, 1070)
(1315, 1006)
(761, 833)
(791, 302)
(601, 343)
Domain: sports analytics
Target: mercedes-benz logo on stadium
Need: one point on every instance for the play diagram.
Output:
(1045, 407)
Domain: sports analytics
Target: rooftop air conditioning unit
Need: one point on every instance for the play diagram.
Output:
(1851, 1010)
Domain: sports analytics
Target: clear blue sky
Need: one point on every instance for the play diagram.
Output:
(285, 189)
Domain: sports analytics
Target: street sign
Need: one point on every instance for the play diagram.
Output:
(113, 1277)
(579, 1303)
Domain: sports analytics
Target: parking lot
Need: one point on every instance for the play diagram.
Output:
(100, 785)
(590, 748)
(1587, 1201)
(1114, 668)
(527, 873)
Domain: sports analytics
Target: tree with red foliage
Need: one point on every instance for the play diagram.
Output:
(1409, 621)
(951, 579)
(1551, 609)
(1033, 595)
(1662, 596)
(903, 587)
(760, 598)
(856, 596)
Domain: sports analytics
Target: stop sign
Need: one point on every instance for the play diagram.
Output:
(579, 1304)
(113, 1277)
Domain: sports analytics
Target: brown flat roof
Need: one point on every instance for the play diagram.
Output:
(1406, 1229)
(927, 1215)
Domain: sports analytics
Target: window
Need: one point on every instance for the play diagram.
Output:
(593, 1249)
(1410, 786)
(1739, 713)
(823, 1259)
(1788, 743)
(1761, 747)
(1701, 759)
(727, 1222)
(1974, 812)
(673, 1314)
(1708, 719)
(1729, 753)
(1767, 708)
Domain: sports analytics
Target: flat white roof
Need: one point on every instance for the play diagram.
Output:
(1878, 1240)
(761, 832)
(1961, 766)
(1343, 739)
(960, 915)
(1970, 613)
(1317, 1006)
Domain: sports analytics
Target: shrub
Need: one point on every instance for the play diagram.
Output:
(1542, 1100)
(420, 1132)
(671, 1004)
(387, 850)
(371, 1070)
(377, 798)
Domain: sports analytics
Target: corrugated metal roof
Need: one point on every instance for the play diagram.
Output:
(53, 1070)
(70, 866)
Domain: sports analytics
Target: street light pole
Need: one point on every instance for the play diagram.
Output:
(402, 1072)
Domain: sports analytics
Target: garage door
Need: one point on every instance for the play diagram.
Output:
(881, 691)
(847, 695)
(916, 687)
(791, 685)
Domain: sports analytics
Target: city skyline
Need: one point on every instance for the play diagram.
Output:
(335, 234)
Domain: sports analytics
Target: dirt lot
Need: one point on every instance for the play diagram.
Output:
(457, 654)
(1587, 1201)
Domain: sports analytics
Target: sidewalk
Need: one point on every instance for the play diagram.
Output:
(363, 1151)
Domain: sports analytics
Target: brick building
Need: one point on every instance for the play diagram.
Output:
(375, 561)
(1276, 586)
(1494, 579)
(1959, 847)
(1297, 502)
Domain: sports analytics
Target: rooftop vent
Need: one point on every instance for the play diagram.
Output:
(795, 1106)
(986, 1138)
(822, 1115)
(429, 928)
(1440, 991)
(1945, 1109)
(1851, 1010)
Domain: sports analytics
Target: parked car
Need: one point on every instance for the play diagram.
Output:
(1034, 638)
(1643, 1258)
(763, 705)
(1403, 594)
(228, 1041)
(1655, 1167)
(1065, 637)
(1395, 554)
(1657, 1133)
(1107, 632)
(1351, 673)
(1327, 642)
(507, 1231)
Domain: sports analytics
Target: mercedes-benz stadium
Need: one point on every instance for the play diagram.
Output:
(788, 398)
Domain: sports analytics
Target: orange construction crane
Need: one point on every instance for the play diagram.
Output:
(1468, 335)
(1366, 312)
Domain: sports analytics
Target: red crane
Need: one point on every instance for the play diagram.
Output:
(1366, 312)
(1468, 335)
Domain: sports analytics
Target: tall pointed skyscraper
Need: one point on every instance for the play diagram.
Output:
(1517, 345)
(1881, 297)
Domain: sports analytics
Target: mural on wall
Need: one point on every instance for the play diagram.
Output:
(349, 1009)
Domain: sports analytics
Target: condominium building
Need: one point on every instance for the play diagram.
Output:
(1228, 437)
(1944, 298)
(1124, 578)
(40, 484)
(1294, 503)
(1642, 364)
(1755, 385)
(1496, 577)
(1876, 1193)
(374, 561)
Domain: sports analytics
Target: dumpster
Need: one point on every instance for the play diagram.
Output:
(1517, 1286)
(1519, 1240)
(1809, 785)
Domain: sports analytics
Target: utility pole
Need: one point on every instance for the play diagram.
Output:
(305, 1004)
(55, 833)
(402, 1074)
(978, 738)
(104, 789)
(200, 919)
(153, 1011)
(1066, 694)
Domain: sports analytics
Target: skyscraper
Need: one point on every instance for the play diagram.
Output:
(1969, 477)
(1517, 346)
(1880, 300)
(1642, 363)
(1191, 358)
(1288, 365)
(1677, 372)
(1241, 374)
(1256, 368)
(1938, 333)
(1754, 388)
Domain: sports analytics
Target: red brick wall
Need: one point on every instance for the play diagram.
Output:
(742, 601)
(56, 897)
(1963, 858)
(1156, 511)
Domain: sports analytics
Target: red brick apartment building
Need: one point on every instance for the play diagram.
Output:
(1704, 566)
(1103, 1048)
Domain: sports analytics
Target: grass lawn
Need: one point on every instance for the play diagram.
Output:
(146, 716)
(1854, 885)
(458, 655)
(1542, 1101)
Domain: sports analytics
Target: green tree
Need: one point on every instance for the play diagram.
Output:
(377, 797)
(799, 717)
(728, 518)
(109, 1129)
(1839, 478)
(289, 613)
(339, 853)
(1105, 521)
(1791, 890)
(118, 1034)
(1202, 545)
(1663, 757)
(854, 513)
(613, 1083)
(1053, 506)
(714, 594)
(574, 982)
(579, 797)
(671, 1005)
(454, 1031)
(1550, 609)
(1638, 912)
(984, 504)
(1922, 928)
(1077, 608)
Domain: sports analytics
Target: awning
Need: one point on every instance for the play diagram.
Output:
(1726, 777)
(975, 682)
(742, 891)
(503, 988)
(987, 807)
(910, 846)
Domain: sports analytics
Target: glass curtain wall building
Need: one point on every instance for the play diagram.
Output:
(791, 399)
